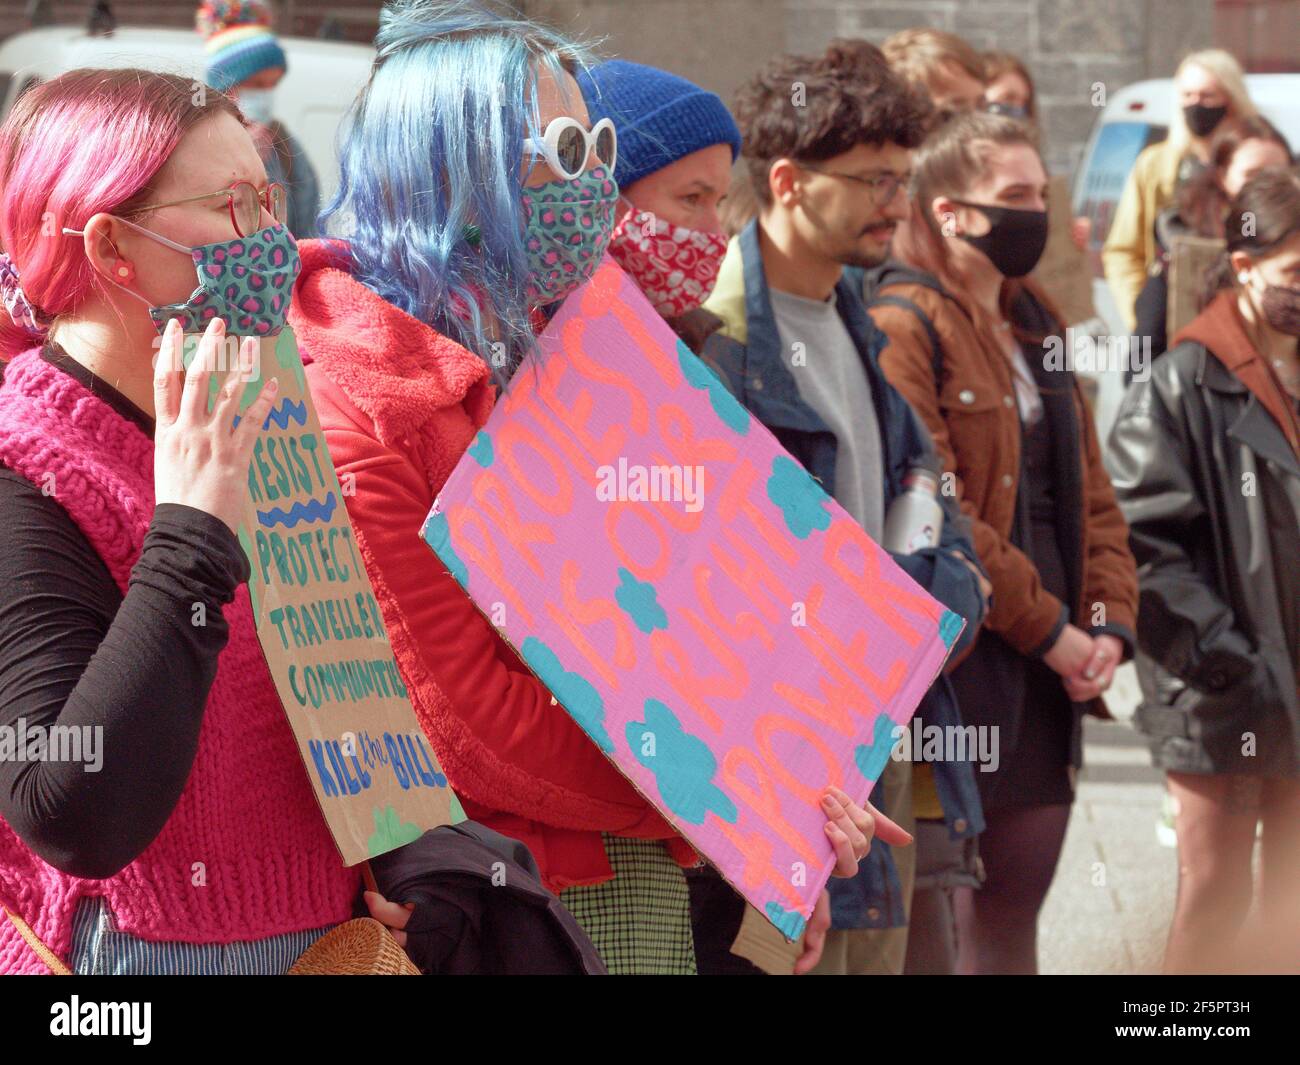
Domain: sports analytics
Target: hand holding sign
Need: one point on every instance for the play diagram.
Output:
(199, 461)
(392, 915)
(253, 454)
(851, 828)
(814, 936)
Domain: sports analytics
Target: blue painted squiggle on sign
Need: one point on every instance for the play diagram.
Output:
(313, 510)
(437, 534)
(286, 412)
(870, 758)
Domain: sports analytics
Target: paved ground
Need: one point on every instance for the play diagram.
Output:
(1110, 904)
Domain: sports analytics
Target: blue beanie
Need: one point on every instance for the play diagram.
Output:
(660, 117)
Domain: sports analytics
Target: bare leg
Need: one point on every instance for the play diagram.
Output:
(1215, 819)
(1273, 941)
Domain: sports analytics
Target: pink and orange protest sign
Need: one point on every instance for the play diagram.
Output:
(713, 620)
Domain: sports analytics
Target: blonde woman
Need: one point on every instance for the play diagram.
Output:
(1211, 96)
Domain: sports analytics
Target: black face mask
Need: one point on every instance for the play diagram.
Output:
(1015, 240)
(1202, 120)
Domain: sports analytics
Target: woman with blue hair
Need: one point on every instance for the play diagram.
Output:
(475, 192)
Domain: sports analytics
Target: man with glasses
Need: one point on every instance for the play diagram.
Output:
(828, 147)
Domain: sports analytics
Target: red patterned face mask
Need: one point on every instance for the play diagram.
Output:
(674, 266)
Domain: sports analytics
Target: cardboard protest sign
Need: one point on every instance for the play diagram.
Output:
(374, 774)
(713, 620)
(760, 943)
(1063, 272)
(1189, 258)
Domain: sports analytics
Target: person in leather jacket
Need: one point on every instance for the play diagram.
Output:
(1205, 457)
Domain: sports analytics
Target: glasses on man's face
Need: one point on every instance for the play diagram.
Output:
(881, 187)
(245, 204)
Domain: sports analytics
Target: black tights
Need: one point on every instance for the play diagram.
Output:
(997, 924)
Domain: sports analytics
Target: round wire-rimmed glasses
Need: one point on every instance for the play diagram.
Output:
(245, 204)
(881, 188)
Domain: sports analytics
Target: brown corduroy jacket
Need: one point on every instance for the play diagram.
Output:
(973, 416)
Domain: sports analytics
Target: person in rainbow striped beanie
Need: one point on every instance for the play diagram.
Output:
(246, 61)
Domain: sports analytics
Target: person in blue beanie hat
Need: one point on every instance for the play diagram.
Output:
(246, 61)
(676, 145)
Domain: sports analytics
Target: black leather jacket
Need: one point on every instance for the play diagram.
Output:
(1210, 486)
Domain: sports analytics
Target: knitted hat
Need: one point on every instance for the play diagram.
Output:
(660, 117)
(239, 41)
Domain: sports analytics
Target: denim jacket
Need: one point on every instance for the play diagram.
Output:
(746, 352)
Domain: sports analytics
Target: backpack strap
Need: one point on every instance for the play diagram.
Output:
(936, 348)
(891, 273)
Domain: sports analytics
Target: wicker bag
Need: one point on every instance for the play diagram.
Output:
(361, 947)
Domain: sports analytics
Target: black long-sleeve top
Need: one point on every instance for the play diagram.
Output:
(75, 652)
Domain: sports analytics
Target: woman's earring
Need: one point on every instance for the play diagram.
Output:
(1243, 278)
(123, 270)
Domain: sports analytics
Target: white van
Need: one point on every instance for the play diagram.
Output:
(1134, 117)
(323, 78)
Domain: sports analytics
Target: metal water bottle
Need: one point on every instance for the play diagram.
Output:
(915, 518)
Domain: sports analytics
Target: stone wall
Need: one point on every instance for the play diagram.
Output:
(1070, 45)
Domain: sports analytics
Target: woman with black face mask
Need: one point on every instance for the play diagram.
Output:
(977, 352)
(1211, 96)
(1206, 460)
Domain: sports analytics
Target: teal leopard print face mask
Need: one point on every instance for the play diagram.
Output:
(246, 281)
(568, 228)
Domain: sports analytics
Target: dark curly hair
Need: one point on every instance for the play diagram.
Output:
(817, 107)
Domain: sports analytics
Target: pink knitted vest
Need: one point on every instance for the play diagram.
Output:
(246, 853)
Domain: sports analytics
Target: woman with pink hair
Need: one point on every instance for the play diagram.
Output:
(186, 838)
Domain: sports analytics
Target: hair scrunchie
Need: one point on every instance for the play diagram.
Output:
(16, 303)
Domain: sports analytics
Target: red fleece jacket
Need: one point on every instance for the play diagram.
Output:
(399, 404)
